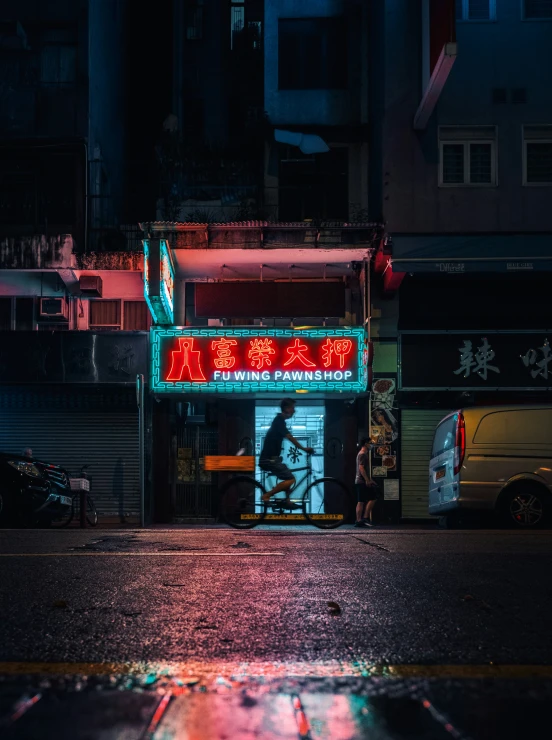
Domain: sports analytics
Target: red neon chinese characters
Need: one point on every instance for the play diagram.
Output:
(223, 346)
(340, 347)
(296, 352)
(260, 352)
(186, 359)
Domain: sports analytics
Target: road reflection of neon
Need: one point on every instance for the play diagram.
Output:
(237, 670)
(332, 716)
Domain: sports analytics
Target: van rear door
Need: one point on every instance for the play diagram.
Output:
(447, 456)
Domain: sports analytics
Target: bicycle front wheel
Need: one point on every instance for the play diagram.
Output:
(91, 513)
(241, 504)
(327, 503)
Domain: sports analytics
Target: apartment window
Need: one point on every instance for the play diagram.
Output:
(5, 313)
(19, 197)
(58, 65)
(255, 29)
(17, 313)
(537, 155)
(113, 315)
(467, 156)
(105, 315)
(537, 10)
(312, 53)
(315, 186)
(475, 10)
(194, 20)
(237, 20)
(136, 316)
(24, 314)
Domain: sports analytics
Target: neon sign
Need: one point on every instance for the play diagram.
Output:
(159, 280)
(251, 359)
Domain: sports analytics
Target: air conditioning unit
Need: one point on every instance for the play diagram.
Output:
(91, 285)
(54, 309)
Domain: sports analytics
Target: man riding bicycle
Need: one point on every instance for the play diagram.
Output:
(271, 461)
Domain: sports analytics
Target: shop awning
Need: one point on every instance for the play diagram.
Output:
(472, 253)
(267, 264)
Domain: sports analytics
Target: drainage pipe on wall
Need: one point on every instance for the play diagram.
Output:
(141, 438)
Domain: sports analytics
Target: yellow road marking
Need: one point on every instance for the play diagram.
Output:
(296, 517)
(327, 669)
(139, 554)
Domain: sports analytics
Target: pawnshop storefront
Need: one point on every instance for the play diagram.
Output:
(222, 387)
(219, 370)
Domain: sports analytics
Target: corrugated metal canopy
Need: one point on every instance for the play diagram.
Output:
(472, 253)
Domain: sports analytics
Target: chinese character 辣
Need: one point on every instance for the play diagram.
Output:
(478, 362)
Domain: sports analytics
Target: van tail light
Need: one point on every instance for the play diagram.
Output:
(460, 445)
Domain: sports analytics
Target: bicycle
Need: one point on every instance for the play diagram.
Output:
(326, 502)
(91, 513)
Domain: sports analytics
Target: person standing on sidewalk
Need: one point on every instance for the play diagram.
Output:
(366, 488)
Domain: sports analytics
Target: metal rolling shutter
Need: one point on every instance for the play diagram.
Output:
(73, 427)
(417, 436)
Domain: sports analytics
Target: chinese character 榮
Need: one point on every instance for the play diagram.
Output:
(260, 352)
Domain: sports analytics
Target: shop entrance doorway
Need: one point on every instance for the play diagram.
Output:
(307, 425)
(194, 489)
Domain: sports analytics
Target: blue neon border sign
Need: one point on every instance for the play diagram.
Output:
(167, 280)
(158, 286)
(159, 334)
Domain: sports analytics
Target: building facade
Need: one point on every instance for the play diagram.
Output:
(264, 226)
(73, 318)
(466, 177)
(246, 314)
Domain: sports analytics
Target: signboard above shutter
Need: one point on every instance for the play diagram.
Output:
(252, 359)
(475, 361)
(270, 300)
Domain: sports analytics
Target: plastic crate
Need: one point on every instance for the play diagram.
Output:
(79, 484)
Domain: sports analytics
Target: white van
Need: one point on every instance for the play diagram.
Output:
(496, 458)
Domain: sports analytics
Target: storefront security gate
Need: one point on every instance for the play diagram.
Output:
(418, 428)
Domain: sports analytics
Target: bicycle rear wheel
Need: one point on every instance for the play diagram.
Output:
(327, 503)
(241, 503)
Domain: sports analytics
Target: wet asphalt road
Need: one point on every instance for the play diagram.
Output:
(438, 633)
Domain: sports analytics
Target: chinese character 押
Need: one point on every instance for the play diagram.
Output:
(341, 347)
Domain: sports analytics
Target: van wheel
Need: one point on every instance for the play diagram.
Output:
(452, 521)
(525, 506)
